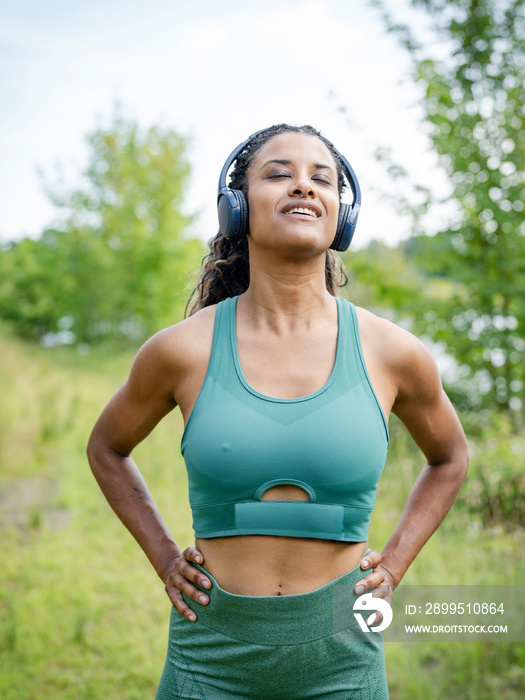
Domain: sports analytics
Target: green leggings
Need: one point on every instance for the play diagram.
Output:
(273, 648)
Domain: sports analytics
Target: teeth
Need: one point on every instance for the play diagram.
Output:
(303, 210)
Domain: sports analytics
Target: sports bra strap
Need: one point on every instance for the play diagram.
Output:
(221, 358)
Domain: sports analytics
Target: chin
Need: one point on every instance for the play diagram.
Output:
(303, 247)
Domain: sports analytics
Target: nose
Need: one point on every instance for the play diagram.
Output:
(302, 187)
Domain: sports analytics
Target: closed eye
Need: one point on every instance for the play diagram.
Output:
(318, 178)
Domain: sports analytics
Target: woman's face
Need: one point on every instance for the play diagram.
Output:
(293, 195)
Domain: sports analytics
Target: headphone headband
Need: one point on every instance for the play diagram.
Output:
(233, 208)
(233, 155)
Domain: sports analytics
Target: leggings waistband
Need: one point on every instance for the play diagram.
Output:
(287, 619)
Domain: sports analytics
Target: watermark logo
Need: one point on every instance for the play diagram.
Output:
(368, 602)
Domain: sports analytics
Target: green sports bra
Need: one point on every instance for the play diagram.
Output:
(238, 443)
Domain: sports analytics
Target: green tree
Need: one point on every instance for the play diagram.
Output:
(118, 264)
(471, 68)
(384, 280)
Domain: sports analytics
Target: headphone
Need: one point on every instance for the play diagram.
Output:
(232, 205)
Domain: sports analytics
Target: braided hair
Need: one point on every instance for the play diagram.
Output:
(225, 270)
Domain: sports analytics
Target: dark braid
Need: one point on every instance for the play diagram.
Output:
(225, 271)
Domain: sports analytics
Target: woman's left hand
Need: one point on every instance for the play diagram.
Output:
(380, 582)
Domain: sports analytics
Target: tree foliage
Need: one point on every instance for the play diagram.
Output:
(471, 68)
(384, 279)
(118, 264)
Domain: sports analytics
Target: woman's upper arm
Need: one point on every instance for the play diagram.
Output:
(423, 406)
(143, 400)
(168, 370)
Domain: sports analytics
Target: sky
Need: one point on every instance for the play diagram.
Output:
(213, 71)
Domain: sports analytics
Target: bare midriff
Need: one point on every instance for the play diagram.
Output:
(262, 565)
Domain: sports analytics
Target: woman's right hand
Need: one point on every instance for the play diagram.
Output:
(177, 581)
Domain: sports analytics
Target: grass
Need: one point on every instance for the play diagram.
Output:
(82, 613)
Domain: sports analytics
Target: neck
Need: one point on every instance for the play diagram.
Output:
(286, 293)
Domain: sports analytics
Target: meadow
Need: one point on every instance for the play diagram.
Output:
(84, 616)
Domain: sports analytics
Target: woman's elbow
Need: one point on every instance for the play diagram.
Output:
(462, 460)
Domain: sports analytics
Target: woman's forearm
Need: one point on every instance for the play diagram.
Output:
(430, 500)
(127, 492)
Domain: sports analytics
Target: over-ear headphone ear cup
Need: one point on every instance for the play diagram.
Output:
(243, 205)
(345, 228)
(232, 208)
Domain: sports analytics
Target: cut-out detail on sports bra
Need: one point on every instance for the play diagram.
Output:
(238, 443)
(306, 489)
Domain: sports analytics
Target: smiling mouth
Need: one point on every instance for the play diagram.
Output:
(303, 210)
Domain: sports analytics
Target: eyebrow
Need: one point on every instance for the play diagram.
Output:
(284, 161)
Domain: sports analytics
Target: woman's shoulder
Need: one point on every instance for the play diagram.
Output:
(383, 330)
(183, 344)
(398, 349)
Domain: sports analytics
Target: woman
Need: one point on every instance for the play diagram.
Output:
(285, 392)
